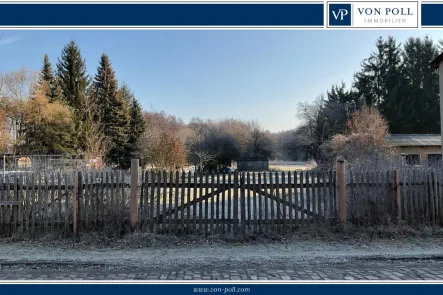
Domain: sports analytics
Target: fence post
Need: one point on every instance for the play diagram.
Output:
(397, 194)
(75, 204)
(133, 217)
(341, 190)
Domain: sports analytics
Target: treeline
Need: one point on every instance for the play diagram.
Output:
(66, 111)
(395, 80)
(209, 145)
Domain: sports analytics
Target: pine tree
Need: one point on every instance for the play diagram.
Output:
(113, 111)
(420, 92)
(73, 82)
(136, 129)
(49, 82)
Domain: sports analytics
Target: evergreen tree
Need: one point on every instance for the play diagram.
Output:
(380, 81)
(420, 91)
(73, 82)
(113, 111)
(136, 128)
(48, 81)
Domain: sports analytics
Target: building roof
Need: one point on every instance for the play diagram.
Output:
(436, 62)
(414, 139)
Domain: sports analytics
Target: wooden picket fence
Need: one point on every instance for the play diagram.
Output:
(217, 203)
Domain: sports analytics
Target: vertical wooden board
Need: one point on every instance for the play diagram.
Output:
(67, 202)
(419, 194)
(411, 192)
(254, 202)
(188, 202)
(431, 197)
(314, 182)
(217, 204)
(260, 202)
(118, 203)
(151, 201)
(157, 187)
(200, 203)
(436, 198)
(177, 183)
(206, 214)
(242, 203)
(290, 202)
(235, 203)
(223, 204)
(87, 198)
(123, 197)
(229, 216)
(426, 196)
(166, 209)
(59, 200)
(28, 202)
(440, 196)
(271, 201)
(195, 202)
(40, 204)
(211, 200)
(302, 197)
(113, 199)
(249, 211)
(2, 197)
(325, 199)
(171, 197)
(284, 197)
(102, 199)
(319, 196)
(182, 201)
(45, 204)
(296, 201)
(53, 203)
(331, 189)
(308, 175)
(278, 202)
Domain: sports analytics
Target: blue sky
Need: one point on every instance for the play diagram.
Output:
(251, 75)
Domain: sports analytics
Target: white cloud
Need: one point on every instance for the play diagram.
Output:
(9, 39)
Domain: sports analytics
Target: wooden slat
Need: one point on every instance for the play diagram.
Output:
(177, 180)
(223, 204)
(314, 197)
(242, 203)
(53, 204)
(290, 201)
(188, 201)
(325, 199)
(302, 198)
(271, 202)
(261, 217)
(249, 211)
(66, 198)
(296, 201)
(217, 205)
(319, 195)
(254, 202)
(200, 205)
(194, 210)
(162, 222)
(151, 202)
(331, 197)
(39, 204)
(308, 196)
(182, 202)
(230, 215)
(285, 199)
(212, 203)
(440, 197)
(171, 199)
(277, 203)
(206, 205)
(431, 197)
(235, 204)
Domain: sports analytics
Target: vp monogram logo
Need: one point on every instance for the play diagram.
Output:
(341, 13)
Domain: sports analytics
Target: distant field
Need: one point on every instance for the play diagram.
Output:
(288, 166)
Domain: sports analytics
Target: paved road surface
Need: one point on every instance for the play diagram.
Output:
(388, 270)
